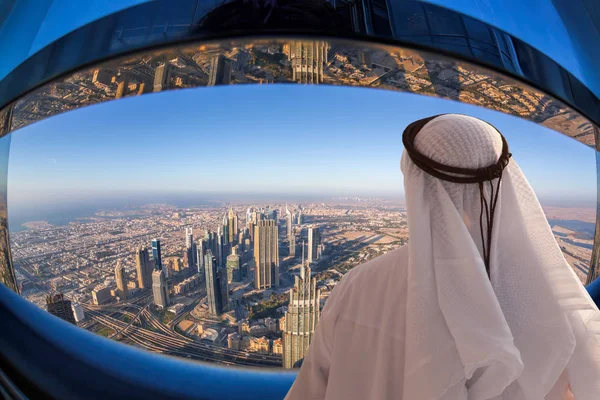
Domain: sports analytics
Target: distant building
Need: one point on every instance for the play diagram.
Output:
(288, 221)
(187, 285)
(271, 324)
(278, 346)
(314, 244)
(59, 306)
(300, 217)
(221, 238)
(220, 71)
(308, 59)
(216, 285)
(176, 309)
(161, 77)
(301, 318)
(78, 312)
(282, 323)
(121, 281)
(101, 78)
(174, 264)
(143, 268)
(233, 268)
(232, 226)
(156, 255)
(260, 345)
(190, 248)
(266, 255)
(244, 327)
(234, 341)
(292, 239)
(101, 295)
(201, 248)
(160, 290)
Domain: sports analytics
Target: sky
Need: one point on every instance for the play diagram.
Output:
(269, 139)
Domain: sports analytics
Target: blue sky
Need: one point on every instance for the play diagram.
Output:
(261, 139)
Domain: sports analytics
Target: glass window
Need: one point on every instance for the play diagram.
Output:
(443, 22)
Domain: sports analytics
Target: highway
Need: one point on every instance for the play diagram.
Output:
(167, 341)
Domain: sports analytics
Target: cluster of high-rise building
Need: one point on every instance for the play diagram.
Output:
(224, 257)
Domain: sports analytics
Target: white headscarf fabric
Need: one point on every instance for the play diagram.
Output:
(512, 335)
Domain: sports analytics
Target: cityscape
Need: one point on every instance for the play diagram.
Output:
(234, 284)
(239, 286)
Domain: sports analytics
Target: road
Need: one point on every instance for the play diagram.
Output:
(167, 341)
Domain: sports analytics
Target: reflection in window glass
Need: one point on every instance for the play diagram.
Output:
(181, 224)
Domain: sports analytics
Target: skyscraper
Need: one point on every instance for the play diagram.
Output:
(143, 268)
(288, 221)
(266, 255)
(225, 230)
(232, 229)
(160, 290)
(156, 255)
(220, 71)
(59, 306)
(301, 318)
(216, 285)
(299, 216)
(220, 248)
(233, 268)
(190, 247)
(292, 239)
(308, 59)
(201, 248)
(120, 279)
(161, 77)
(314, 243)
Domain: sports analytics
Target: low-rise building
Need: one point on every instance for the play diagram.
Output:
(278, 346)
(234, 341)
(176, 309)
(260, 345)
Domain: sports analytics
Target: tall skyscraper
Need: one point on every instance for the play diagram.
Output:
(156, 255)
(308, 59)
(121, 281)
(233, 268)
(288, 221)
(220, 71)
(301, 318)
(300, 217)
(161, 77)
(232, 229)
(221, 251)
(59, 306)
(314, 244)
(225, 230)
(201, 248)
(160, 290)
(266, 255)
(216, 285)
(190, 247)
(292, 239)
(143, 268)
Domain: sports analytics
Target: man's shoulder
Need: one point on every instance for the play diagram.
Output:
(378, 266)
(375, 273)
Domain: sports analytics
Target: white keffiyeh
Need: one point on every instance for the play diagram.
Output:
(523, 336)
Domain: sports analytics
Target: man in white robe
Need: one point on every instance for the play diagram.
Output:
(457, 314)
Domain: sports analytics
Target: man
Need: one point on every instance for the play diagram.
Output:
(479, 305)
